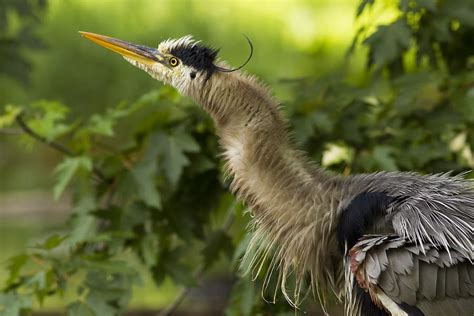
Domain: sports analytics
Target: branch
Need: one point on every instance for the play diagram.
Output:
(42, 139)
(55, 145)
(199, 273)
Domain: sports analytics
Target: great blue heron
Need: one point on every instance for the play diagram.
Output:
(388, 243)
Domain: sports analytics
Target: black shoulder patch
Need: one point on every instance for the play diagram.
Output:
(411, 310)
(198, 56)
(367, 307)
(361, 212)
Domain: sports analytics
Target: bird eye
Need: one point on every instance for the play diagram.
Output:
(173, 61)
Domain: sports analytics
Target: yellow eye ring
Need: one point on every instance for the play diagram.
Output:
(173, 61)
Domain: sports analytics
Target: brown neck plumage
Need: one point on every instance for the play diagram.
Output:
(293, 201)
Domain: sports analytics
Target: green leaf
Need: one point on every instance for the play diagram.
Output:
(383, 157)
(12, 304)
(175, 161)
(185, 141)
(10, 115)
(241, 248)
(459, 10)
(109, 292)
(179, 273)
(464, 104)
(335, 154)
(40, 282)
(109, 266)
(79, 308)
(148, 247)
(52, 242)
(144, 174)
(66, 170)
(363, 5)
(428, 4)
(102, 125)
(82, 222)
(100, 306)
(303, 129)
(14, 266)
(388, 43)
(172, 150)
(242, 298)
(202, 164)
(217, 243)
(135, 214)
(49, 124)
(84, 227)
(172, 266)
(247, 297)
(418, 91)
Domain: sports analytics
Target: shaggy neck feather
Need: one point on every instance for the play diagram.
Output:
(294, 203)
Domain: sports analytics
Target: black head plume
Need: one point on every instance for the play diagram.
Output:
(245, 63)
(198, 56)
(202, 58)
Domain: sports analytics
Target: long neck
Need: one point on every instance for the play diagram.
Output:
(293, 201)
(266, 168)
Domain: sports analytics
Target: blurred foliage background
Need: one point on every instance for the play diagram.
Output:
(136, 215)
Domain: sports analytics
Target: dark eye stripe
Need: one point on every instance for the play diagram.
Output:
(198, 56)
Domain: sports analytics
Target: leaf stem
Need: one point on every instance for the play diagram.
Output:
(55, 145)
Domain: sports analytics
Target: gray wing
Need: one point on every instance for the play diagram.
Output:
(431, 278)
(430, 209)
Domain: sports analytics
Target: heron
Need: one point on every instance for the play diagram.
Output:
(384, 243)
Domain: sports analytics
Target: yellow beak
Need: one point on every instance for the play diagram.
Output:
(139, 53)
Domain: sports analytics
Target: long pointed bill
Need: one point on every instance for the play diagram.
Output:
(139, 53)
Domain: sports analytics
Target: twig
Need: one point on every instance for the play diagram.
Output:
(58, 146)
(177, 301)
(199, 273)
(42, 139)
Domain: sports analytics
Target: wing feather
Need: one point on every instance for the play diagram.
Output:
(428, 284)
(427, 209)
(423, 252)
(410, 275)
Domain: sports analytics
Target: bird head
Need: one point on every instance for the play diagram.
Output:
(183, 63)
